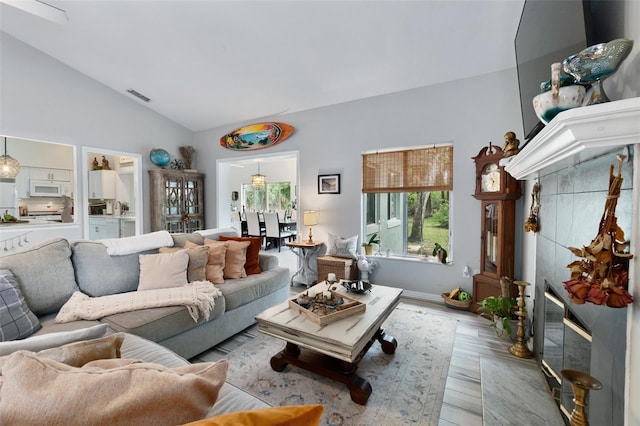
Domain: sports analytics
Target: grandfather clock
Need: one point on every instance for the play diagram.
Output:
(498, 192)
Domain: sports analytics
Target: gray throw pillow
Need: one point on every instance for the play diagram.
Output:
(16, 319)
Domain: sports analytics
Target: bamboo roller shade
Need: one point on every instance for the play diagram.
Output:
(412, 170)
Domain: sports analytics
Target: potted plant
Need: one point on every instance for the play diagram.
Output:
(440, 253)
(501, 311)
(368, 246)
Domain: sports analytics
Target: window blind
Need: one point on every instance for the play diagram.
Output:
(411, 170)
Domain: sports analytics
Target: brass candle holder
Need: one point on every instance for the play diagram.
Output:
(582, 383)
(519, 349)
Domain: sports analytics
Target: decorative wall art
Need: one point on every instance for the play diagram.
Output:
(256, 136)
(329, 184)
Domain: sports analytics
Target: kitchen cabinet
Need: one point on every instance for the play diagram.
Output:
(22, 182)
(103, 227)
(177, 200)
(102, 184)
(39, 173)
(127, 227)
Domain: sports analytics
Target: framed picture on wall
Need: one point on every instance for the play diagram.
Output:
(329, 184)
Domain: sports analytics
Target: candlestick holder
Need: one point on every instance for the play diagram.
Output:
(582, 383)
(519, 349)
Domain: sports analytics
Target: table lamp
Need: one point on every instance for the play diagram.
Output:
(310, 219)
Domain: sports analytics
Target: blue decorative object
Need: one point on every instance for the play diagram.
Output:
(159, 157)
(596, 63)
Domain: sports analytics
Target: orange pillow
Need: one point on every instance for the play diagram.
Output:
(214, 270)
(235, 259)
(291, 415)
(253, 252)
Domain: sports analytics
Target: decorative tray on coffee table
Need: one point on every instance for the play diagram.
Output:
(323, 310)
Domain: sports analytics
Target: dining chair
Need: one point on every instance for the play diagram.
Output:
(274, 232)
(253, 226)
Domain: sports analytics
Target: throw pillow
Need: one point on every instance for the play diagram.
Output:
(163, 270)
(215, 263)
(51, 340)
(16, 319)
(78, 354)
(37, 390)
(252, 266)
(198, 257)
(235, 259)
(291, 415)
(343, 247)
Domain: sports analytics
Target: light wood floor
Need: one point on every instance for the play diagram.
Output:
(462, 404)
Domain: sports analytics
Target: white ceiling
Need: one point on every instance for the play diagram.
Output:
(206, 64)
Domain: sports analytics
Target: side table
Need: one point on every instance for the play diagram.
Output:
(308, 253)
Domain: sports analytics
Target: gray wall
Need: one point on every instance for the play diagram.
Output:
(470, 113)
(572, 201)
(43, 99)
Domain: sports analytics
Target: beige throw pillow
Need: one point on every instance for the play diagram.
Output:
(163, 270)
(198, 257)
(235, 259)
(216, 261)
(42, 391)
(78, 354)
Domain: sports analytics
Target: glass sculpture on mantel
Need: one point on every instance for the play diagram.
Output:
(596, 63)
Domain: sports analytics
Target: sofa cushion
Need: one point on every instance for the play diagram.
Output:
(288, 415)
(37, 390)
(78, 354)
(235, 257)
(16, 319)
(217, 252)
(198, 258)
(180, 239)
(242, 291)
(158, 324)
(50, 340)
(99, 274)
(45, 274)
(215, 233)
(163, 270)
(252, 265)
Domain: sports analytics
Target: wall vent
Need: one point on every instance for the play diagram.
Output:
(138, 95)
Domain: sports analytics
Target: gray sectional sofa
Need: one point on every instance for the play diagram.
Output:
(50, 272)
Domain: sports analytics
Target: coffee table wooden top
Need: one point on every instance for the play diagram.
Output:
(343, 339)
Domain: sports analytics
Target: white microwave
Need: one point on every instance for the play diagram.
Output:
(47, 188)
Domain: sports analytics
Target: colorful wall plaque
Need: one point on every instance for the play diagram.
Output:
(256, 136)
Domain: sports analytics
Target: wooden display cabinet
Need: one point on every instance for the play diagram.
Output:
(177, 200)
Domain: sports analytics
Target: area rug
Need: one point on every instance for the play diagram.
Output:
(408, 386)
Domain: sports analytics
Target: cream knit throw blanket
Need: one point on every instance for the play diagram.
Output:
(197, 296)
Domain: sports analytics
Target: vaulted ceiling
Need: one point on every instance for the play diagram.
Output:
(206, 64)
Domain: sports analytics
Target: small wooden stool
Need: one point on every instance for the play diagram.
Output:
(346, 269)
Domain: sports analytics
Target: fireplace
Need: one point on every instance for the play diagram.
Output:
(566, 345)
(570, 158)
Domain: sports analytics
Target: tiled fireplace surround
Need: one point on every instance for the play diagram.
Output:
(572, 201)
(570, 159)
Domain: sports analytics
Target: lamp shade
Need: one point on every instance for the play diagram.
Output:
(258, 180)
(310, 218)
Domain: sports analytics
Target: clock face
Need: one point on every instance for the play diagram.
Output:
(490, 178)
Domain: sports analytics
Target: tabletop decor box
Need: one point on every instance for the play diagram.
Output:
(349, 307)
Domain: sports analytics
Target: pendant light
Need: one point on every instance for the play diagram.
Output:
(9, 166)
(258, 180)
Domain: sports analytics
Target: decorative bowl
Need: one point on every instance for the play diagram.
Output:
(349, 285)
(597, 62)
(568, 97)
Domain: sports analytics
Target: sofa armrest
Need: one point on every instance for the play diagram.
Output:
(268, 261)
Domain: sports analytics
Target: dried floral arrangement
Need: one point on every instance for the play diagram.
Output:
(601, 276)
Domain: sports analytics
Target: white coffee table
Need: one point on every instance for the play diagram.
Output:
(333, 350)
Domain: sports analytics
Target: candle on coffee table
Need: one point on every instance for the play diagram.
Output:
(331, 277)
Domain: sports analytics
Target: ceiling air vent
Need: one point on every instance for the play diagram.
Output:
(138, 95)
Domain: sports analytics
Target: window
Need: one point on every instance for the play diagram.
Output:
(275, 197)
(407, 198)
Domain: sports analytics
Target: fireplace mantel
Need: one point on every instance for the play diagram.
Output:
(577, 135)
